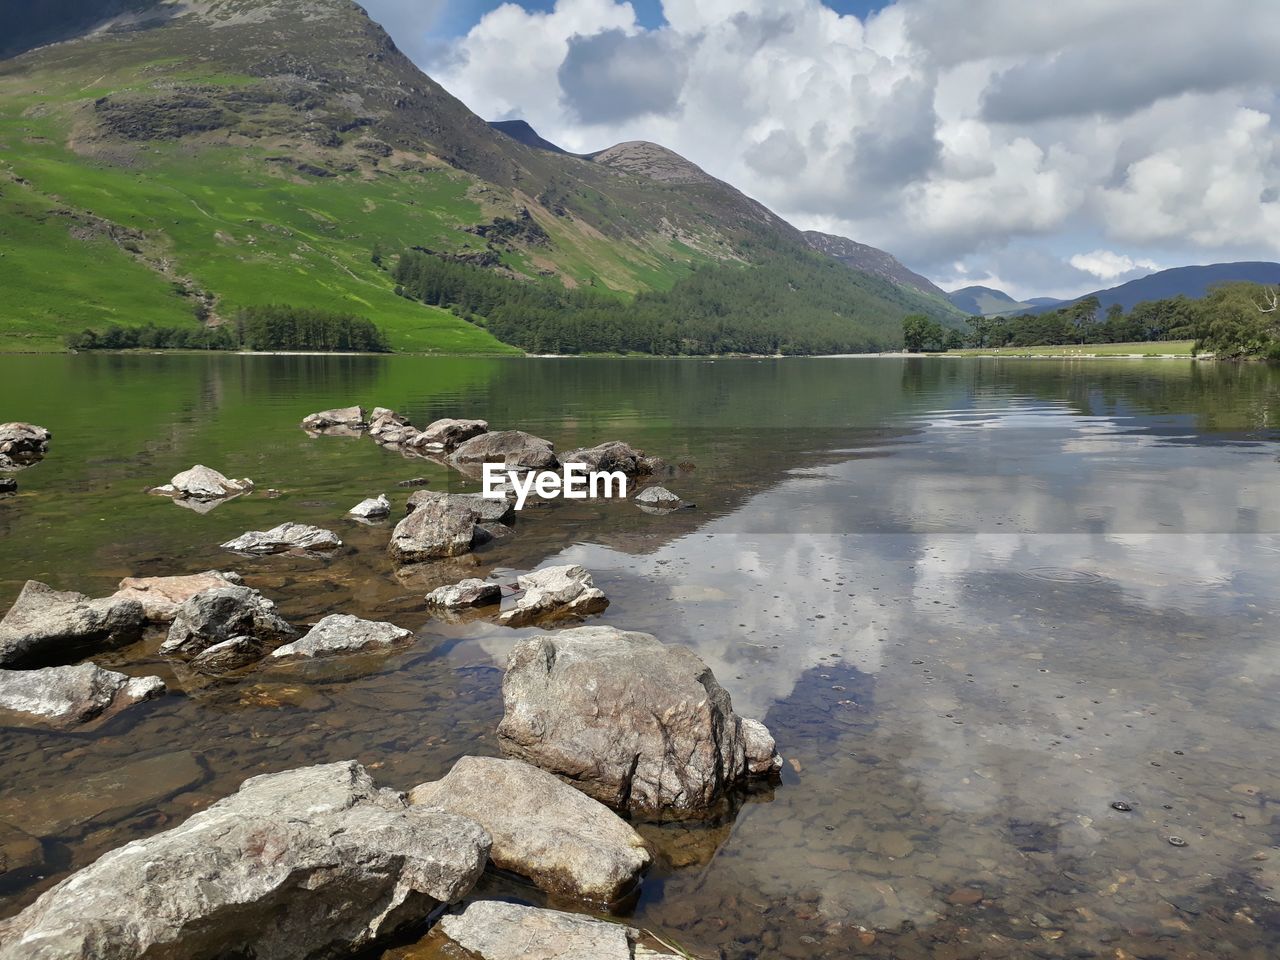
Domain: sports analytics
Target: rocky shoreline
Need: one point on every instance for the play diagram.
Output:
(601, 729)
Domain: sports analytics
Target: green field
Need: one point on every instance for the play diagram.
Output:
(1166, 348)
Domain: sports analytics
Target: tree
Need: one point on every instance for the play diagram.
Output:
(919, 332)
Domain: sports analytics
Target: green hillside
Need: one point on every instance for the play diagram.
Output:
(198, 161)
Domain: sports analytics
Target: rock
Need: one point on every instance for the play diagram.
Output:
(493, 930)
(515, 449)
(49, 626)
(287, 536)
(542, 828)
(22, 444)
(64, 696)
(348, 418)
(488, 509)
(472, 592)
(201, 483)
(384, 420)
(306, 863)
(555, 593)
(341, 633)
(19, 851)
(613, 455)
(443, 526)
(414, 482)
(447, 434)
(222, 614)
(8, 485)
(161, 596)
(375, 508)
(658, 500)
(228, 655)
(630, 721)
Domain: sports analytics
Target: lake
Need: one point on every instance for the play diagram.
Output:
(976, 601)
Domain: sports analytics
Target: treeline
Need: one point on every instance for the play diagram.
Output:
(793, 304)
(273, 327)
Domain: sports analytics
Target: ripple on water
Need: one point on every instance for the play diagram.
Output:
(1049, 574)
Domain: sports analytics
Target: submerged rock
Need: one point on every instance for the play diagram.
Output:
(161, 596)
(555, 593)
(634, 723)
(659, 500)
(20, 852)
(306, 863)
(448, 433)
(202, 483)
(615, 455)
(49, 626)
(493, 930)
(515, 449)
(65, 696)
(224, 614)
(286, 537)
(488, 509)
(228, 655)
(8, 485)
(542, 828)
(439, 527)
(472, 592)
(341, 633)
(340, 418)
(375, 508)
(22, 444)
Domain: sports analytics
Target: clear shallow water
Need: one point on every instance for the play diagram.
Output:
(975, 601)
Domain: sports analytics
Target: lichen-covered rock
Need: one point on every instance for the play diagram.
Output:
(471, 592)
(22, 444)
(488, 509)
(448, 433)
(340, 418)
(375, 508)
(634, 723)
(341, 633)
(225, 613)
(161, 596)
(66, 696)
(554, 593)
(46, 626)
(542, 828)
(443, 526)
(494, 930)
(515, 449)
(307, 863)
(286, 537)
(202, 483)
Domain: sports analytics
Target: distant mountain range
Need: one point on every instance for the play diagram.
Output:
(1193, 282)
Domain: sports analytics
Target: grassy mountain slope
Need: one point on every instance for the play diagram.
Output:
(872, 260)
(197, 158)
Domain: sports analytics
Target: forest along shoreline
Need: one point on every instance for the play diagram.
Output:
(601, 728)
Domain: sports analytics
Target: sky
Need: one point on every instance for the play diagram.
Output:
(1047, 149)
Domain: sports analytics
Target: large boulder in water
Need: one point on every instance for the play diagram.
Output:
(634, 723)
(495, 930)
(448, 433)
(221, 615)
(65, 696)
(285, 538)
(203, 483)
(554, 593)
(52, 626)
(340, 419)
(614, 455)
(488, 509)
(22, 444)
(542, 828)
(442, 526)
(514, 449)
(302, 864)
(341, 633)
(162, 596)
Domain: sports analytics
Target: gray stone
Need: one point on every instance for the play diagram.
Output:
(488, 509)
(542, 828)
(493, 930)
(515, 449)
(443, 526)
(375, 508)
(161, 596)
(306, 863)
(286, 537)
(22, 444)
(613, 455)
(65, 696)
(49, 626)
(215, 616)
(339, 418)
(634, 723)
(228, 655)
(202, 483)
(555, 593)
(341, 633)
(448, 433)
(472, 592)
(658, 497)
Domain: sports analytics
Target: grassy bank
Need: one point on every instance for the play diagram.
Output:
(1167, 348)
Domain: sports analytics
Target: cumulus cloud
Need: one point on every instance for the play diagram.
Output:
(1108, 265)
(943, 132)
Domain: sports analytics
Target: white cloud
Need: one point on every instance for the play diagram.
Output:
(939, 131)
(1107, 264)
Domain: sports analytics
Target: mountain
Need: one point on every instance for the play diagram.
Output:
(179, 162)
(521, 132)
(985, 301)
(1044, 301)
(1193, 282)
(871, 260)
